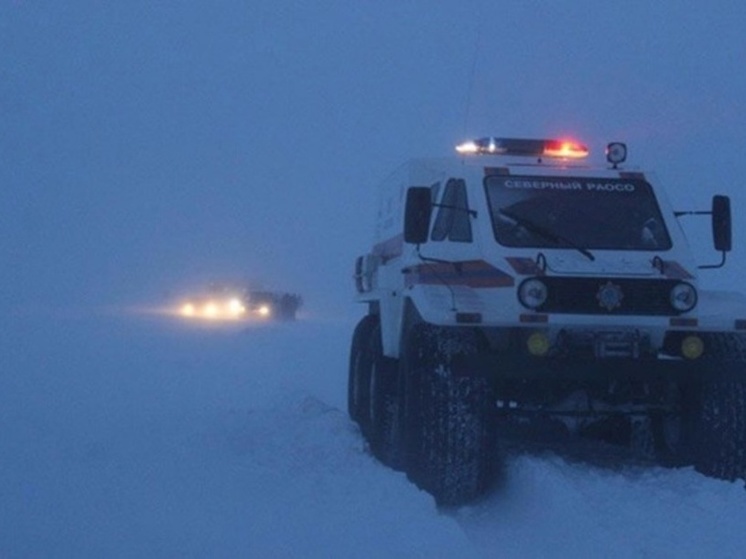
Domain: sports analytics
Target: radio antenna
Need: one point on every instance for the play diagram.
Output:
(477, 45)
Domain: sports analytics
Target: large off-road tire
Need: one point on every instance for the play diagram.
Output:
(672, 435)
(720, 449)
(448, 415)
(358, 382)
(384, 431)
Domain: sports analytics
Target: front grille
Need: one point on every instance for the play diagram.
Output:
(604, 344)
(608, 296)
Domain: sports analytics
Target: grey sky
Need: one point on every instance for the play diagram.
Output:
(148, 145)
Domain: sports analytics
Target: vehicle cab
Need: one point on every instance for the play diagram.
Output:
(526, 235)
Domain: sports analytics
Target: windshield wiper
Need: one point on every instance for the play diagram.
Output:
(544, 232)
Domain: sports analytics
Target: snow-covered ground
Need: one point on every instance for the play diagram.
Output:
(124, 435)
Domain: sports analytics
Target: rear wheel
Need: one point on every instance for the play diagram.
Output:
(672, 434)
(358, 382)
(448, 417)
(384, 432)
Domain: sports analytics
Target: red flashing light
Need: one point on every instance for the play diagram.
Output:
(566, 149)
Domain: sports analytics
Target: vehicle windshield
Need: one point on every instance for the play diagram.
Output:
(577, 212)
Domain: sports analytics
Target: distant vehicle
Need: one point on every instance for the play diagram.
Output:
(518, 288)
(224, 303)
(274, 304)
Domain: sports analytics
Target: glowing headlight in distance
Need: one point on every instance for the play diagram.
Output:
(211, 309)
(263, 310)
(235, 307)
(532, 293)
(683, 297)
(187, 309)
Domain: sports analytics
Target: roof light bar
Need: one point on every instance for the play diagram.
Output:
(561, 149)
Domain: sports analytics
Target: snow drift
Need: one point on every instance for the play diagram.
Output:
(126, 436)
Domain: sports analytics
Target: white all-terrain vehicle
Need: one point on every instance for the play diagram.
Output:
(514, 286)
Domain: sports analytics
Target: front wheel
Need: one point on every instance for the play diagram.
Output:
(721, 448)
(721, 434)
(448, 414)
(673, 433)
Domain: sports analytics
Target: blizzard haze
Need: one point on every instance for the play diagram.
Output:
(147, 148)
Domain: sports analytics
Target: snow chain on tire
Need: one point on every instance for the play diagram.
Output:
(450, 433)
(721, 432)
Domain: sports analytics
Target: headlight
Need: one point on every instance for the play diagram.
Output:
(532, 293)
(683, 297)
(211, 310)
(235, 307)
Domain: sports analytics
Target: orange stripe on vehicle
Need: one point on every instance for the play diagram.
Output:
(471, 273)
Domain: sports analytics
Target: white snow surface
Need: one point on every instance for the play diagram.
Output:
(132, 436)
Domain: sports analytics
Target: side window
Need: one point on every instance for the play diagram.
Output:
(452, 221)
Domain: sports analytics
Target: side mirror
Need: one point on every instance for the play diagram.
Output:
(721, 223)
(417, 214)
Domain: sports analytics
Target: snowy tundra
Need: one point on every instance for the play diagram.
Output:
(126, 435)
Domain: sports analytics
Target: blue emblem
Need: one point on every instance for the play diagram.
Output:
(610, 296)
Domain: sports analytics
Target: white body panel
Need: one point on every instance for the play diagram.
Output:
(385, 273)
